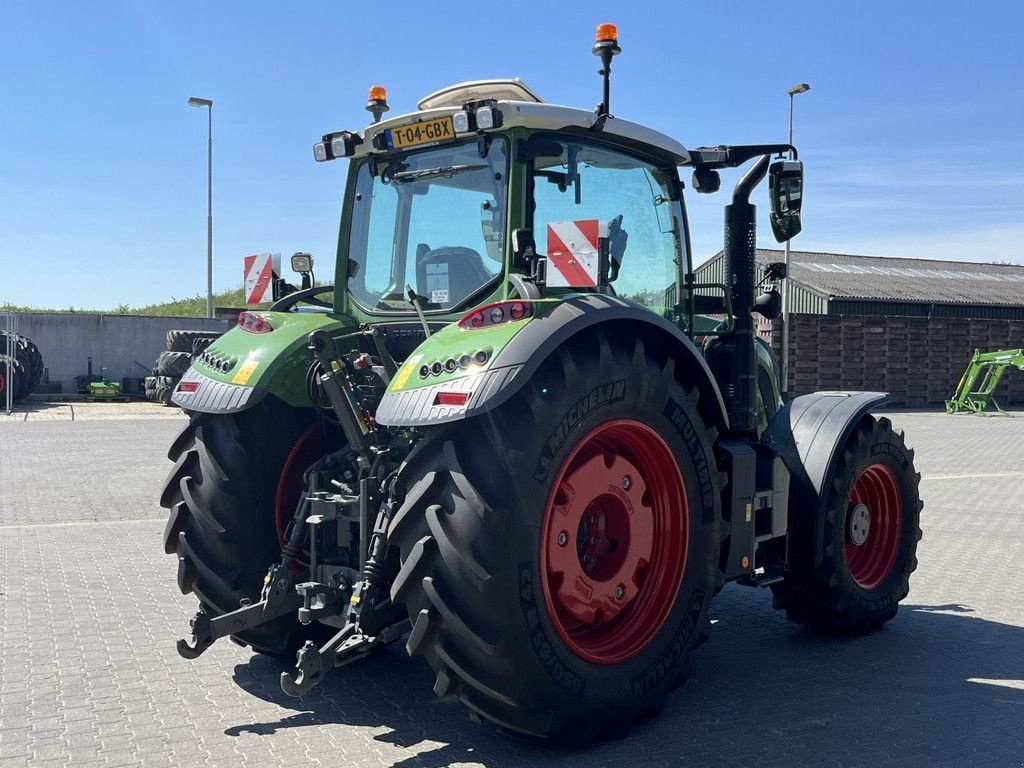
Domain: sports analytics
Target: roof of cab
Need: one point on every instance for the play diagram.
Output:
(526, 111)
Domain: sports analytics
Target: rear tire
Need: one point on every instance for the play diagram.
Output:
(485, 565)
(222, 498)
(871, 527)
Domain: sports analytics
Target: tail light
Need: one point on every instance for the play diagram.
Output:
(495, 314)
(451, 398)
(253, 323)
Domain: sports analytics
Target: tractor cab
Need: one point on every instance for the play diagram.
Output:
(488, 194)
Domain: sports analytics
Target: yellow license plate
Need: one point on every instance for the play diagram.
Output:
(427, 132)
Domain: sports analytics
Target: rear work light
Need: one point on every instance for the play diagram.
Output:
(253, 323)
(495, 314)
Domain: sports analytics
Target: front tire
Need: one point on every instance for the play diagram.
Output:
(559, 555)
(870, 531)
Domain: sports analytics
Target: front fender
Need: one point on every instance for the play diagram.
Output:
(809, 432)
(240, 368)
(516, 351)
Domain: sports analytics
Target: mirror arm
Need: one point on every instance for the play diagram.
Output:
(729, 157)
(741, 194)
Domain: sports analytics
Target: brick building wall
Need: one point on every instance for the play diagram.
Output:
(919, 360)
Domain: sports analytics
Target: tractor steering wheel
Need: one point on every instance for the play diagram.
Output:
(306, 296)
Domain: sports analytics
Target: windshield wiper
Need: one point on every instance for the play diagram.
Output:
(446, 171)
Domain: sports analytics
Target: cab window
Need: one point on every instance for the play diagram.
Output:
(581, 190)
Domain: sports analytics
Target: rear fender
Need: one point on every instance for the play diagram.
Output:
(809, 432)
(519, 356)
(241, 368)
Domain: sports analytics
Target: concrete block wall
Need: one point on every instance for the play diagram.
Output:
(114, 342)
(919, 360)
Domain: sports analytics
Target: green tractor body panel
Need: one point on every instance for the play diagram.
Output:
(515, 353)
(454, 353)
(241, 367)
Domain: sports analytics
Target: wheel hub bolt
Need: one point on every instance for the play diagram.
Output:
(563, 537)
(595, 540)
(619, 592)
(626, 482)
(595, 519)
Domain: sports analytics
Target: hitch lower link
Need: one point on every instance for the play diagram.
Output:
(346, 646)
(279, 598)
(282, 596)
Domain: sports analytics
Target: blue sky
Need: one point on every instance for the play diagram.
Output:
(912, 134)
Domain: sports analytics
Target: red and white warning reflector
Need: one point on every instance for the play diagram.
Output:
(573, 252)
(260, 272)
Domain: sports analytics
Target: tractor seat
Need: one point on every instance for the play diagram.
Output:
(448, 275)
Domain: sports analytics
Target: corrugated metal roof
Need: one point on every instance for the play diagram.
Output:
(843, 275)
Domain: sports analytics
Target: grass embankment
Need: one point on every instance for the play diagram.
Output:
(192, 307)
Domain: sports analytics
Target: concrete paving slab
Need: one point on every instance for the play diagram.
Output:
(89, 612)
(91, 411)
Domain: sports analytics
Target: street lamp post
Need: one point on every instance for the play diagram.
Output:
(798, 88)
(196, 102)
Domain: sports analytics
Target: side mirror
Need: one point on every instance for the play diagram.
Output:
(786, 188)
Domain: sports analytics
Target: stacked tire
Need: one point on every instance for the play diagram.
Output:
(171, 365)
(26, 367)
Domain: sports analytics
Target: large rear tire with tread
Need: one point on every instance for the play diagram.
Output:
(870, 531)
(222, 500)
(559, 554)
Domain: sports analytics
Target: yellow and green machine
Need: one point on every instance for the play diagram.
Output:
(977, 386)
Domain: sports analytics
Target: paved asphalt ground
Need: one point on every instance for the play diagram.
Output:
(90, 611)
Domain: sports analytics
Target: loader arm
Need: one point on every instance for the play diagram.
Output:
(978, 384)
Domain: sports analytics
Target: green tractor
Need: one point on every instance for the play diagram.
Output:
(522, 437)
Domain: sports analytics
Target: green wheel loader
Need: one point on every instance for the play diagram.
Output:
(522, 437)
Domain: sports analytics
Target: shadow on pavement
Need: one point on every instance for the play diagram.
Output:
(937, 686)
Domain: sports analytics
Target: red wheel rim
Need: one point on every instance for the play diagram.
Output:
(613, 541)
(871, 549)
(307, 449)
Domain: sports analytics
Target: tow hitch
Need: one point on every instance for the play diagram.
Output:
(279, 598)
